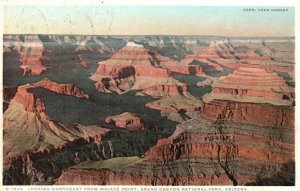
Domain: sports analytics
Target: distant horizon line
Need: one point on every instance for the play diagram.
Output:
(155, 35)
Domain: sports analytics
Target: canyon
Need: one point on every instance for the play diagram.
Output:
(148, 110)
(252, 85)
(134, 67)
(32, 56)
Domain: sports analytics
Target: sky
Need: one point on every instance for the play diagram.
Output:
(148, 20)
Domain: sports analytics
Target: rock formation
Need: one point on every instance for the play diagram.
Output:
(224, 53)
(127, 120)
(162, 130)
(176, 104)
(175, 66)
(29, 135)
(66, 89)
(26, 116)
(252, 85)
(210, 57)
(134, 67)
(32, 57)
(201, 152)
(258, 114)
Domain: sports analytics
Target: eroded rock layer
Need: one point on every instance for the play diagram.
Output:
(31, 135)
(242, 134)
(176, 104)
(235, 55)
(259, 114)
(32, 57)
(134, 67)
(26, 117)
(201, 152)
(130, 121)
(252, 85)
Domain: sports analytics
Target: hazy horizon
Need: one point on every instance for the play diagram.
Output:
(149, 20)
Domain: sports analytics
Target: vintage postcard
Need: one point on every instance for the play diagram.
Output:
(148, 95)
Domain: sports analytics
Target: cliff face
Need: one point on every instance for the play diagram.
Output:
(26, 108)
(29, 135)
(125, 70)
(134, 67)
(164, 90)
(259, 114)
(241, 133)
(134, 60)
(177, 104)
(201, 152)
(235, 55)
(129, 121)
(44, 167)
(66, 89)
(225, 50)
(28, 100)
(252, 85)
(32, 57)
(179, 67)
(219, 140)
(185, 69)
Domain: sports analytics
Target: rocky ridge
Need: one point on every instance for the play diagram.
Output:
(254, 85)
(32, 57)
(201, 152)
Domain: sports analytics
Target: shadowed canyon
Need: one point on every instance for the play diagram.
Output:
(148, 110)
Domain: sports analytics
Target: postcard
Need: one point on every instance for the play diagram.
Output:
(148, 97)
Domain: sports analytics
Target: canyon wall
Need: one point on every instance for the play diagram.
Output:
(201, 152)
(32, 56)
(259, 114)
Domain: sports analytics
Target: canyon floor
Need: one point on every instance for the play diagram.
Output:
(148, 110)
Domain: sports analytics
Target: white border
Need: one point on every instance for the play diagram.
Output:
(155, 2)
(293, 3)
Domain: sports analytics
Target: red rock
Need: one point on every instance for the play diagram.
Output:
(66, 89)
(29, 101)
(238, 149)
(129, 121)
(133, 67)
(186, 69)
(25, 98)
(31, 56)
(116, 70)
(33, 71)
(259, 114)
(166, 89)
(195, 145)
(202, 147)
(225, 54)
(252, 85)
(43, 136)
(225, 50)
(181, 67)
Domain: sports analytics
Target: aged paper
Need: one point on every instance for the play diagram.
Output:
(152, 96)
